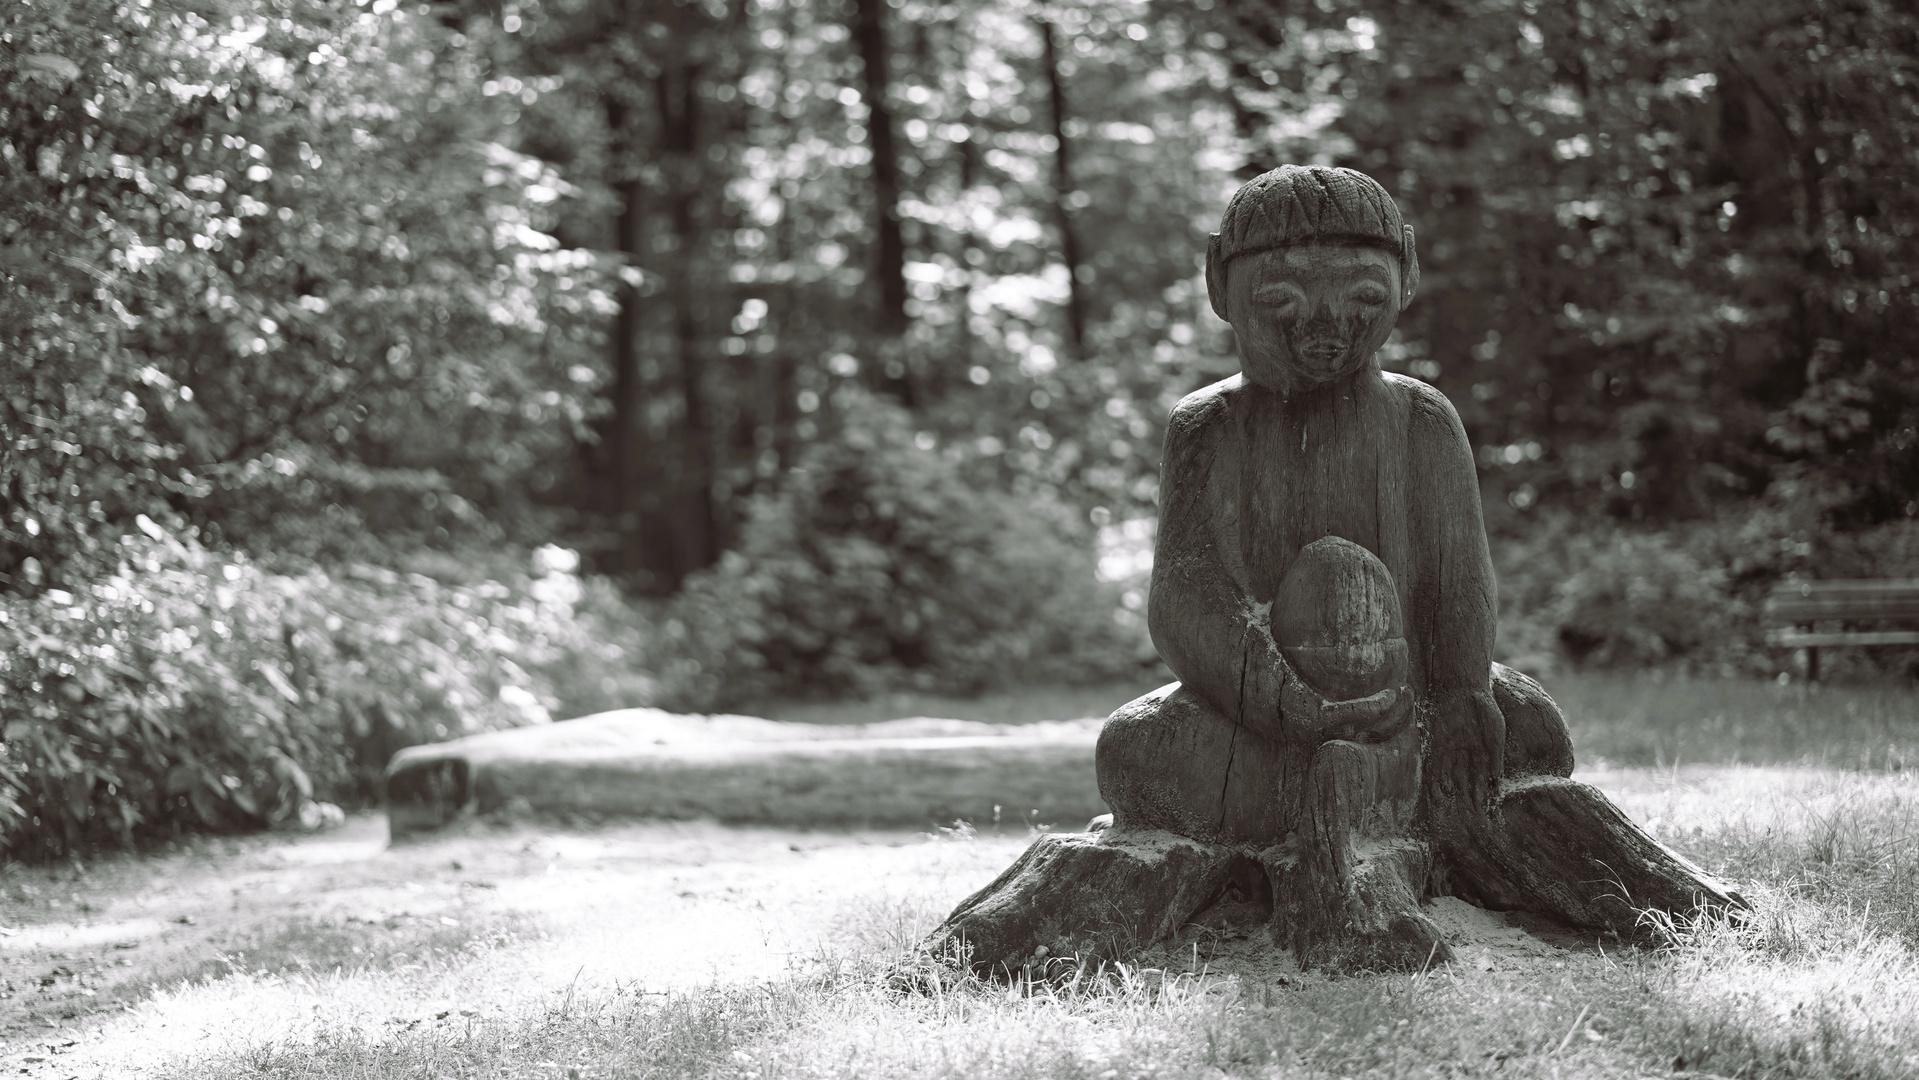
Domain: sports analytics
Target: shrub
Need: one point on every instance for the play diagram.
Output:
(1600, 593)
(264, 265)
(1595, 593)
(878, 565)
(195, 691)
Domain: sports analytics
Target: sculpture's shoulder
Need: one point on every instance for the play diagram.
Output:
(1430, 415)
(1205, 410)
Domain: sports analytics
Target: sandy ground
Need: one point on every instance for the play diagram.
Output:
(128, 962)
(241, 938)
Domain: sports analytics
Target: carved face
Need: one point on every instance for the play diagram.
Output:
(1310, 314)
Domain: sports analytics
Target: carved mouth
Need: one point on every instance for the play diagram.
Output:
(1321, 352)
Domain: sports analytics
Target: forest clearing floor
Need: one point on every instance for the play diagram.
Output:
(694, 949)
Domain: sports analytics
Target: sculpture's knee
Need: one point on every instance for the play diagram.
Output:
(1169, 760)
(1537, 742)
(1126, 731)
(1137, 735)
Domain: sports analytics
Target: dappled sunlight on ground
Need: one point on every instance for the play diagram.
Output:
(263, 941)
(231, 948)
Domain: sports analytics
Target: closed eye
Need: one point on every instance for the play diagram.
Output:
(1281, 299)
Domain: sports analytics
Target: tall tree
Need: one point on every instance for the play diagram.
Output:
(683, 519)
(1063, 191)
(1669, 243)
(622, 435)
(869, 34)
(646, 120)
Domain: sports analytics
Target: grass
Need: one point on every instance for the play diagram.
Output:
(1801, 797)
(1653, 719)
(622, 1033)
(1824, 999)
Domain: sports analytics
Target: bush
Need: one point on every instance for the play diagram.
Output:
(266, 266)
(194, 691)
(879, 566)
(1603, 594)
(1639, 599)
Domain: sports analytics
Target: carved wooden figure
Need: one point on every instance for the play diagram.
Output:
(1340, 745)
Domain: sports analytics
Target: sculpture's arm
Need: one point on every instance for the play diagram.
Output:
(1454, 600)
(1204, 624)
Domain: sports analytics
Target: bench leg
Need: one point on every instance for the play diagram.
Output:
(1812, 663)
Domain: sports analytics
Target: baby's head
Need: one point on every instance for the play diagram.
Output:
(1311, 266)
(1336, 616)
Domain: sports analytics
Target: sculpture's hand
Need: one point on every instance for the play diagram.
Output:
(1374, 718)
(1468, 747)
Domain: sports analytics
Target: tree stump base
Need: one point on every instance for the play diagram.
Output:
(1103, 895)
(1109, 895)
(1550, 846)
(1561, 848)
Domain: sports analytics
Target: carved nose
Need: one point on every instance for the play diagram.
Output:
(1320, 337)
(1321, 324)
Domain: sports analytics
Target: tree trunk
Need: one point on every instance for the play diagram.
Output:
(967, 151)
(624, 437)
(869, 34)
(1062, 192)
(687, 525)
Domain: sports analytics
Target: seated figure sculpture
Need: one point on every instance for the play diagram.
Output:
(1312, 267)
(1340, 743)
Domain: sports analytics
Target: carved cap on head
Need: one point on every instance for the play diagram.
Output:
(1306, 204)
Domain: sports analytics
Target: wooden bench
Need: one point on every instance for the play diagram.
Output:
(1817, 613)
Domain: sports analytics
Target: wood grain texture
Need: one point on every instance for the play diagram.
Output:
(1336, 620)
(1098, 895)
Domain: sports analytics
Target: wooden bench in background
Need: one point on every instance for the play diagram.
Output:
(1819, 613)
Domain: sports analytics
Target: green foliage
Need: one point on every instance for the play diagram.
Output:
(1616, 597)
(1688, 597)
(739, 138)
(273, 273)
(878, 566)
(189, 690)
(1667, 246)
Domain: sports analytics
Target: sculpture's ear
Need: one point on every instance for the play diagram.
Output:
(1216, 276)
(1409, 269)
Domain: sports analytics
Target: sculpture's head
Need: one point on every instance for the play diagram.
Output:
(1312, 265)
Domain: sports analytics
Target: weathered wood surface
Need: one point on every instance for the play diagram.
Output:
(645, 763)
(1097, 895)
(1323, 590)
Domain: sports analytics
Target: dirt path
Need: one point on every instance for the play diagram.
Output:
(126, 956)
(119, 967)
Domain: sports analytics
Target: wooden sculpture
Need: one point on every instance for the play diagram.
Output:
(1340, 746)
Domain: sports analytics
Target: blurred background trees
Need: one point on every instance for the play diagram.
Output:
(501, 359)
